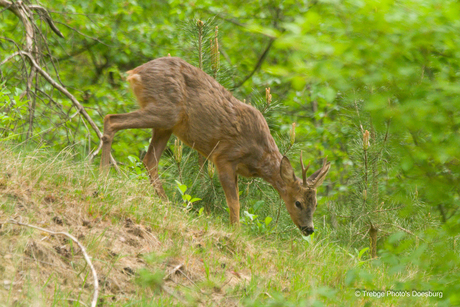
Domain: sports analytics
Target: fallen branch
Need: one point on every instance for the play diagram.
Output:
(83, 250)
(186, 276)
(173, 271)
(178, 269)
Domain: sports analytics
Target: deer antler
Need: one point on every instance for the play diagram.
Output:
(324, 168)
(304, 170)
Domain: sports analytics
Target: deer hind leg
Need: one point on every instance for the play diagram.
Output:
(157, 145)
(152, 116)
(229, 180)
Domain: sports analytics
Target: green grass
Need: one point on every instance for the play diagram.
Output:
(136, 240)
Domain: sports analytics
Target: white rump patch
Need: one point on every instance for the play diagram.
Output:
(133, 78)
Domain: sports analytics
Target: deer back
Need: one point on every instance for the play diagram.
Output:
(209, 118)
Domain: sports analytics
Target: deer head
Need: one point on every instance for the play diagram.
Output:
(300, 195)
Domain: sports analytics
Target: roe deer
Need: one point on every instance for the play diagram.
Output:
(178, 98)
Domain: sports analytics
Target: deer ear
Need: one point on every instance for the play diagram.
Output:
(286, 171)
(317, 178)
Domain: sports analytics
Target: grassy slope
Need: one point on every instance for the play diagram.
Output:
(136, 241)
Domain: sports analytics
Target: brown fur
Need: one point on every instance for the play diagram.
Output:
(178, 98)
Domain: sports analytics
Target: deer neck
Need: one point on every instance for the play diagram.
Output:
(271, 172)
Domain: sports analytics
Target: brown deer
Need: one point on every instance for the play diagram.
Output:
(178, 98)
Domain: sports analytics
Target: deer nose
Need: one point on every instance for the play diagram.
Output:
(307, 230)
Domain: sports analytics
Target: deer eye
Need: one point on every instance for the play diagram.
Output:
(298, 204)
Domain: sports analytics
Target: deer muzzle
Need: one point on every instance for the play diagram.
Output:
(307, 230)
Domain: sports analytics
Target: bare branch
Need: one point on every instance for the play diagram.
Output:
(95, 152)
(6, 7)
(17, 10)
(50, 99)
(84, 48)
(83, 34)
(259, 63)
(72, 98)
(9, 58)
(17, 47)
(48, 19)
(20, 10)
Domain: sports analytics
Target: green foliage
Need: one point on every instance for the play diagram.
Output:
(188, 199)
(402, 66)
(13, 110)
(251, 219)
(149, 279)
(137, 169)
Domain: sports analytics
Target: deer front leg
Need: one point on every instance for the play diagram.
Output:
(107, 139)
(157, 145)
(229, 180)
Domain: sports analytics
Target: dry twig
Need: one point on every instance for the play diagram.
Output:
(173, 271)
(83, 250)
